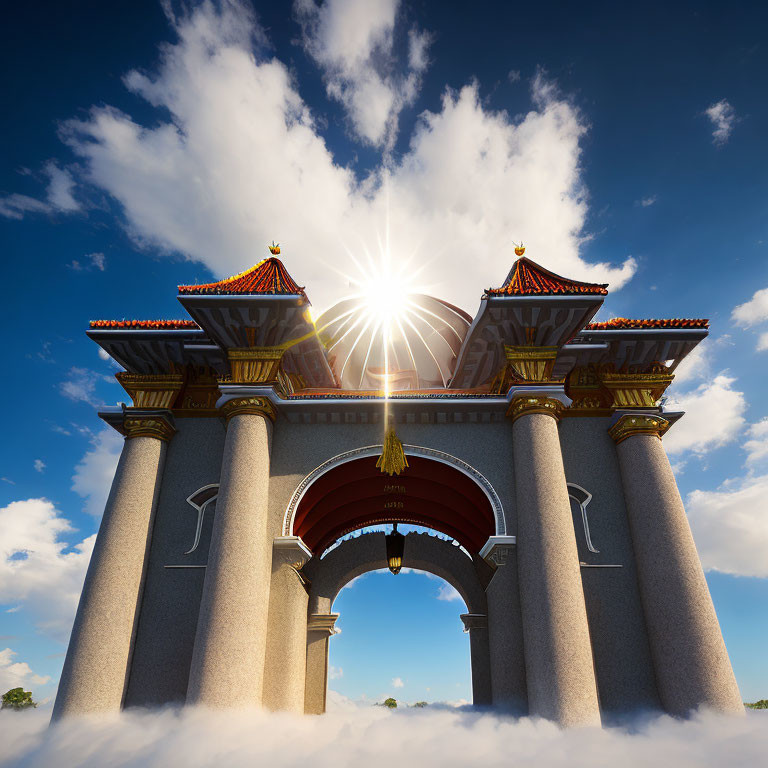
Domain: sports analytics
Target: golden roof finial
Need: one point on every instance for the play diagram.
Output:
(274, 249)
(519, 248)
(392, 459)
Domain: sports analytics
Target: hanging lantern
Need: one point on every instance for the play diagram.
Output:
(392, 459)
(395, 547)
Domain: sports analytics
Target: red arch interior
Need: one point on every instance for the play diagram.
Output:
(429, 493)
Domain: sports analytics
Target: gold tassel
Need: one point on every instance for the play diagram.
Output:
(392, 459)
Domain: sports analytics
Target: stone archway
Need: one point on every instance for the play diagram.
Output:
(353, 557)
(438, 491)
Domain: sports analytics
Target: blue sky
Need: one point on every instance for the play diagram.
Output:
(146, 149)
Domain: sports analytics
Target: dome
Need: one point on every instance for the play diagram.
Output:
(411, 347)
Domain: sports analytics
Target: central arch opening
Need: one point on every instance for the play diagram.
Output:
(401, 638)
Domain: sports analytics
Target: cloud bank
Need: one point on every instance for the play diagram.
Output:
(236, 158)
(38, 570)
(376, 738)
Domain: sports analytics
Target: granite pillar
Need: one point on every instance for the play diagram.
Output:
(320, 629)
(690, 659)
(558, 653)
(96, 667)
(286, 655)
(227, 668)
(477, 626)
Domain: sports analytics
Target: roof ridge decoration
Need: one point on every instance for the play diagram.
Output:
(268, 277)
(153, 325)
(527, 278)
(624, 323)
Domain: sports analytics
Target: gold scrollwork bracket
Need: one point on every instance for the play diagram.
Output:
(524, 405)
(532, 364)
(254, 406)
(255, 365)
(151, 390)
(638, 424)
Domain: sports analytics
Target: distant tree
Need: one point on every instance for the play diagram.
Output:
(762, 704)
(420, 704)
(390, 703)
(17, 698)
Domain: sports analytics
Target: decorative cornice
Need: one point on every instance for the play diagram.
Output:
(147, 426)
(151, 390)
(322, 622)
(497, 549)
(474, 621)
(631, 424)
(530, 404)
(292, 551)
(597, 387)
(254, 406)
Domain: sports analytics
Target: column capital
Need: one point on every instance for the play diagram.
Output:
(154, 390)
(531, 363)
(638, 424)
(255, 406)
(526, 404)
(322, 622)
(148, 426)
(474, 621)
(140, 422)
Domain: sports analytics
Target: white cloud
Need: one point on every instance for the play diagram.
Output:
(17, 674)
(97, 260)
(334, 673)
(39, 465)
(695, 365)
(514, 75)
(240, 162)
(753, 311)
(714, 416)
(646, 202)
(353, 43)
(723, 118)
(94, 472)
(397, 682)
(60, 186)
(448, 593)
(757, 445)
(375, 737)
(80, 385)
(730, 526)
(59, 196)
(38, 570)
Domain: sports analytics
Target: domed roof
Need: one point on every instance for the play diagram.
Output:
(414, 347)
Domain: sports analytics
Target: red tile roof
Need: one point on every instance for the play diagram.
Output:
(267, 277)
(623, 323)
(527, 278)
(152, 325)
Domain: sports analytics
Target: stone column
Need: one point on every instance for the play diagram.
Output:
(690, 660)
(505, 632)
(320, 629)
(558, 652)
(477, 626)
(286, 655)
(228, 659)
(98, 658)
